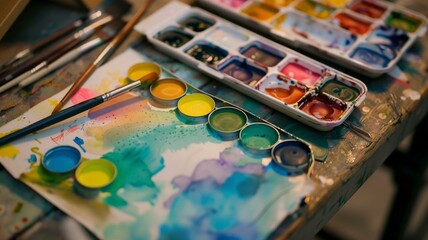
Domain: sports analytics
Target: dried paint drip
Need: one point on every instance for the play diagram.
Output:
(61, 159)
(369, 9)
(196, 24)
(352, 24)
(258, 138)
(207, 53)
(260, 11)
(243, 71)
(292, 155)
(388, 36)
(315, 9)
(403, 22)
(282, 3)
(174, 38)
(340, 90)
(300, 73)
(93, 175)
(288, 96)
(227, 122)
(373, 54)
(263, 56)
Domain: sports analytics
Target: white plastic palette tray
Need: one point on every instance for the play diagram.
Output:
(368, 36)
(298, 86)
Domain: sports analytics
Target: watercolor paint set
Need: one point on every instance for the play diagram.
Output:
(159, 159)
(368, 36)
(293, 84)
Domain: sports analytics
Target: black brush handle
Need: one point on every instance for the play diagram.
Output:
(52, 119)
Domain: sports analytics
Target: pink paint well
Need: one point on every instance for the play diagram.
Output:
(300, 73)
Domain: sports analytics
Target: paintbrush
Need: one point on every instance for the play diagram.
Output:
(143, 82)
(106, 33)
(116, 9)
(103, 55)
(56, 51)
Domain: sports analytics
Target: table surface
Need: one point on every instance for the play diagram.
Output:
(392, 109)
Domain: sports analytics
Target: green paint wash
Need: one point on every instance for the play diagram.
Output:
(403, 21)
(340, 90)
(227, 119)
(135, 167)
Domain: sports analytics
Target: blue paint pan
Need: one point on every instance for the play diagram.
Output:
(293, 156)
(61, 159)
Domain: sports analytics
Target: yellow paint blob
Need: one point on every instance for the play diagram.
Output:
(168, 89)
(8, 151)
(139, 70)
(196, 105)
(96, 173)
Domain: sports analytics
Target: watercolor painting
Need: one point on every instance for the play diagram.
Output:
(172, 179)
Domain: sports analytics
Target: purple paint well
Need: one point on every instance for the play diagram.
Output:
(389, 36)
(262, 53)
(243, 70)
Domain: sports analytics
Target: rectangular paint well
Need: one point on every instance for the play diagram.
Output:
(207, 53)
(368, 8)
(314, 31)
(315, 9)
(283, 89)
(322, 107)
(196, 23)
(352, 24)
(243, 70)
(388, 36)
(340, 90)
(174, 37)
(374, 55)
(227, 37)
(403, 21)
(303, 74)
(262, 53)
(260, 11)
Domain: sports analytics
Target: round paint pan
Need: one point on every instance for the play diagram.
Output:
(195, 107)
(61, 159)
(293, 156)
(168, 91)
(139, 70)
(93, 175)
(226, 122)
(258, 138)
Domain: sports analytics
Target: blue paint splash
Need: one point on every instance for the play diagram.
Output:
(32, 158)
(79, 143)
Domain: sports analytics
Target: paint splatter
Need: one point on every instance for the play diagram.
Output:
(83, 94)
(79, 143)
(8, 151)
